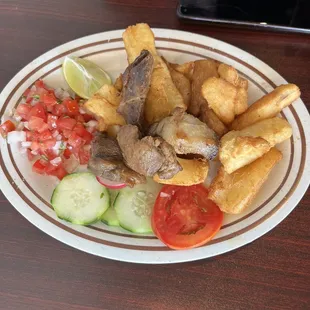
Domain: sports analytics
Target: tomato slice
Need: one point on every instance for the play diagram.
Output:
(6, 127)
(184, 217)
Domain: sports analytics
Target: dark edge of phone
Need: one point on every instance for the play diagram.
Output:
(239, 24)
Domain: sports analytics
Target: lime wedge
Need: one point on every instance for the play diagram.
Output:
(83, 76)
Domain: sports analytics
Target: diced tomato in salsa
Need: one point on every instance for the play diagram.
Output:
(72, 107)
(80, 130)
(23, 111)
(65, 123)
(38, 111)
(59, 110)
(67, 153)
(52, 121)
(39, 166)
(30, 155)
(55, 129)
(6, 127)
(84, 156)
(75, 141)
(88, 117)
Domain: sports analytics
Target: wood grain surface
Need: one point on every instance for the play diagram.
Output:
(39, 273)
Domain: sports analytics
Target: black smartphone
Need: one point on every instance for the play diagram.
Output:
(285, 15)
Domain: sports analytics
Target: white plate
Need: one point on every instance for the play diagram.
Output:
(30, 193)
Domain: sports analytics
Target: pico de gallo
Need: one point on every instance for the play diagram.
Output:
(52, 129)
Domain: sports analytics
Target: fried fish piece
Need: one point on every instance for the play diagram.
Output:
(203, 70)
(234, 192)
(268, 106)
(103, 105)
(195, 171)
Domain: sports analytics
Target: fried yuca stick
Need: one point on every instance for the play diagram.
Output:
(234, 192)
(239, 148)
(268, 106)
(163, 96)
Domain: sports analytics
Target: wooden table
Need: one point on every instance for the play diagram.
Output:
(38, 272)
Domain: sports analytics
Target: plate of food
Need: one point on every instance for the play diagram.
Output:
(153, 145)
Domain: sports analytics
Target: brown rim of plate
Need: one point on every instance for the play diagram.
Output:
(59, 224)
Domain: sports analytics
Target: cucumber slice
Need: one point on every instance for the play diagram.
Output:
(134, 206)
(80, 199)
(109, 217)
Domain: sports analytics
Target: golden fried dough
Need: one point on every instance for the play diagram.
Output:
(268, 106)
(195, 171)
(103, 105)
(220, 96)
(234, 192)
(203, 70)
